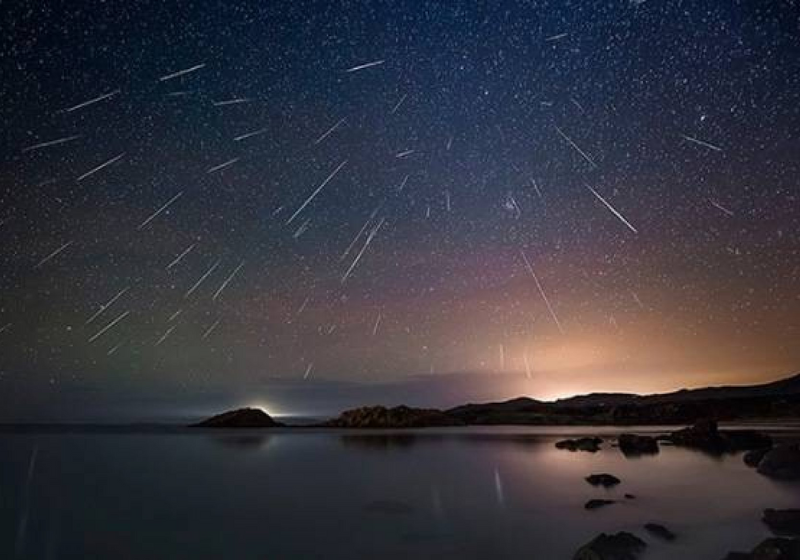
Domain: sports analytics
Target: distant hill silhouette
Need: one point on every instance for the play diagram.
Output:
(778, 399)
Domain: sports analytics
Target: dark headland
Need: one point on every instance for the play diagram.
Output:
(776, 401)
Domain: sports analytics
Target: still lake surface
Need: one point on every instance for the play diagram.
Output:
(499, 492)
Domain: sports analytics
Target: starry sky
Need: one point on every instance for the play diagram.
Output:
(311, 205)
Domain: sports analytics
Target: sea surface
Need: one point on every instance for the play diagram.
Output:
(494, 493)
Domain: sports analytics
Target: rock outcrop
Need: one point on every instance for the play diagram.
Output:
(706, 436)
(660, 531)
(782, 461)
(619, 546)
(784, 522)
(770, 549)
(590, 444)
(397, 417)
(597, 503)
(603, 479)
(632, 444)
(241, 418)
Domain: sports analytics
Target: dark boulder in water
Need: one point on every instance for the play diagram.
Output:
(782, 461)
(705, 435)
(784, 522)
(603, 479)
(590, 444)
(753, 458)
(596, 503)
(619, 546)
(632, 444)
(770, 549)
(660, 531)
(397, 417)
(241, 418)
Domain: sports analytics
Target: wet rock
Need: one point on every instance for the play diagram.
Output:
(782, 461)
(619, 546)
(241, 418)
(705, 435)
(742, 440)
(784, 522)
(596, 503)
(632, 444)
(753, 458)
(660, 531)
(770, 549)
(397, 417)
(603, 479)
(590, 444)
(702, 435)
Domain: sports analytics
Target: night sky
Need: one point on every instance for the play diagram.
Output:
(313, 205)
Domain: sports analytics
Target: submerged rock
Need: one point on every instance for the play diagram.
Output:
(782, 461)
(783, 521)
(632, 444)
(597, 503)
(660, 531)
(620, 546)
(753, 458)
(770, 549)
(241, 418)
(603, 479)
(397, 417)
(705, 435)
(590, 444)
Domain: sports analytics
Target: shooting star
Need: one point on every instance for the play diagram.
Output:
(403, 184)
(556, 37)
(53, 254)
(250, 134)
(330, 131)
(210, 329)
(308, 370)
(375, 327)
(174, 315)
(92, 101)
(364, 248)
(202, 278)
(575, 146)
(527, 364)
(302, 307)
(363, 66)
(51, 143)
(181, 73)
(179, 258)
(159, 211)
(114, 349)
(720, 207)
(399, 103)
(226, 282)
(100, 167)
(165, 335)
(105, 306)
(541, 291)
(235, 101)
(222, 165)
(613, 210)
(404, 153)
(316, 192)
(108, 326)
(701, 143)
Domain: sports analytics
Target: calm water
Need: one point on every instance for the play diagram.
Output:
(455, 493)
